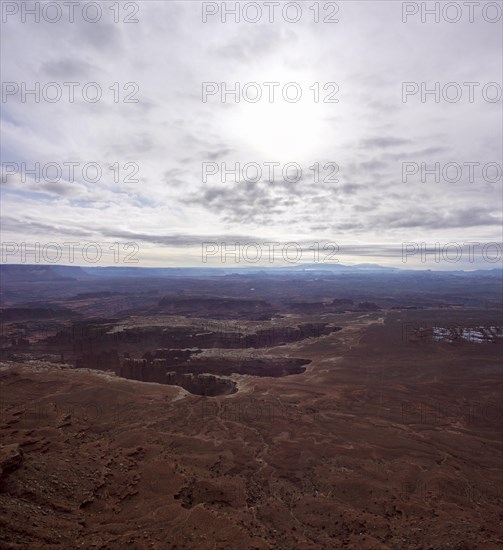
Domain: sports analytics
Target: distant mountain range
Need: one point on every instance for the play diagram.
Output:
(41, 273)
(342, 267)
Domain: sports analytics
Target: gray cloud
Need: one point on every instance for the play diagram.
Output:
(66, 68)
(383, 142)
(170, 132)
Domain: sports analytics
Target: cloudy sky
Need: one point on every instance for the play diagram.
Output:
(169, 133)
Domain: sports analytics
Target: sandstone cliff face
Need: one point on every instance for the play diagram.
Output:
(158, 370)
(192, 371)
(104, 360)
(95, 338)
(206, 384)
(174, 354)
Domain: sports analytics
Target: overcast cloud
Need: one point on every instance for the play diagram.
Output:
(369, 212)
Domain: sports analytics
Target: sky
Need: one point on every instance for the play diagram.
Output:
(162, 134)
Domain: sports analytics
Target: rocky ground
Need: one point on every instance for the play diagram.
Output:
(383, 442)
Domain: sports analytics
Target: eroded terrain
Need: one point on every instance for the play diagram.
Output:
(302, 430)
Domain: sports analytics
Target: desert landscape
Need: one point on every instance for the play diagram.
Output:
(193, 412)
(251, 275)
